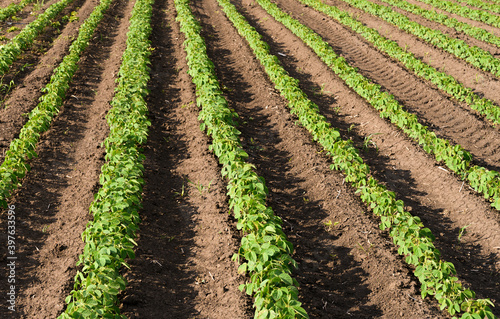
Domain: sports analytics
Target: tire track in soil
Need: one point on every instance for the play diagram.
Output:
(448, 118)
(493, 49)
(183, 263)
(27, 92)
(443, 203)
(481, 82)
(52, 205)
(349, 270)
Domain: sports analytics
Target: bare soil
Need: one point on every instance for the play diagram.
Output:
(348, 267)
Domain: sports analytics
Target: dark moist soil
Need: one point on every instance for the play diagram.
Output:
(183, 268)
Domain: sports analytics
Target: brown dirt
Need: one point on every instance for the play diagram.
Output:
(183, 266)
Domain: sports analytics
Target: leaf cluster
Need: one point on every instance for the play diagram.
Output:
(264, 252)
(407, 231)
(109, 237)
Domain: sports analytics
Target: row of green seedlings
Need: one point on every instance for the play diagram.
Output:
(13, 8)
(407, 231)
(109, 237)
(463, 11)
(475, 56)
(475, 32)
(443, 81)
(22, 149)
(13, 49)
(457, 159)
(482, 5)
(264, 247)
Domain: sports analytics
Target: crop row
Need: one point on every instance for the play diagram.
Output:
(465, 12)
(475, 32)
(13, 8)
(264, 246)
(22, 149)
(482, 4)
(11, 51)
(473, 55)
(442, 80)
(109, 237)
(407, 231)
(457, 159)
